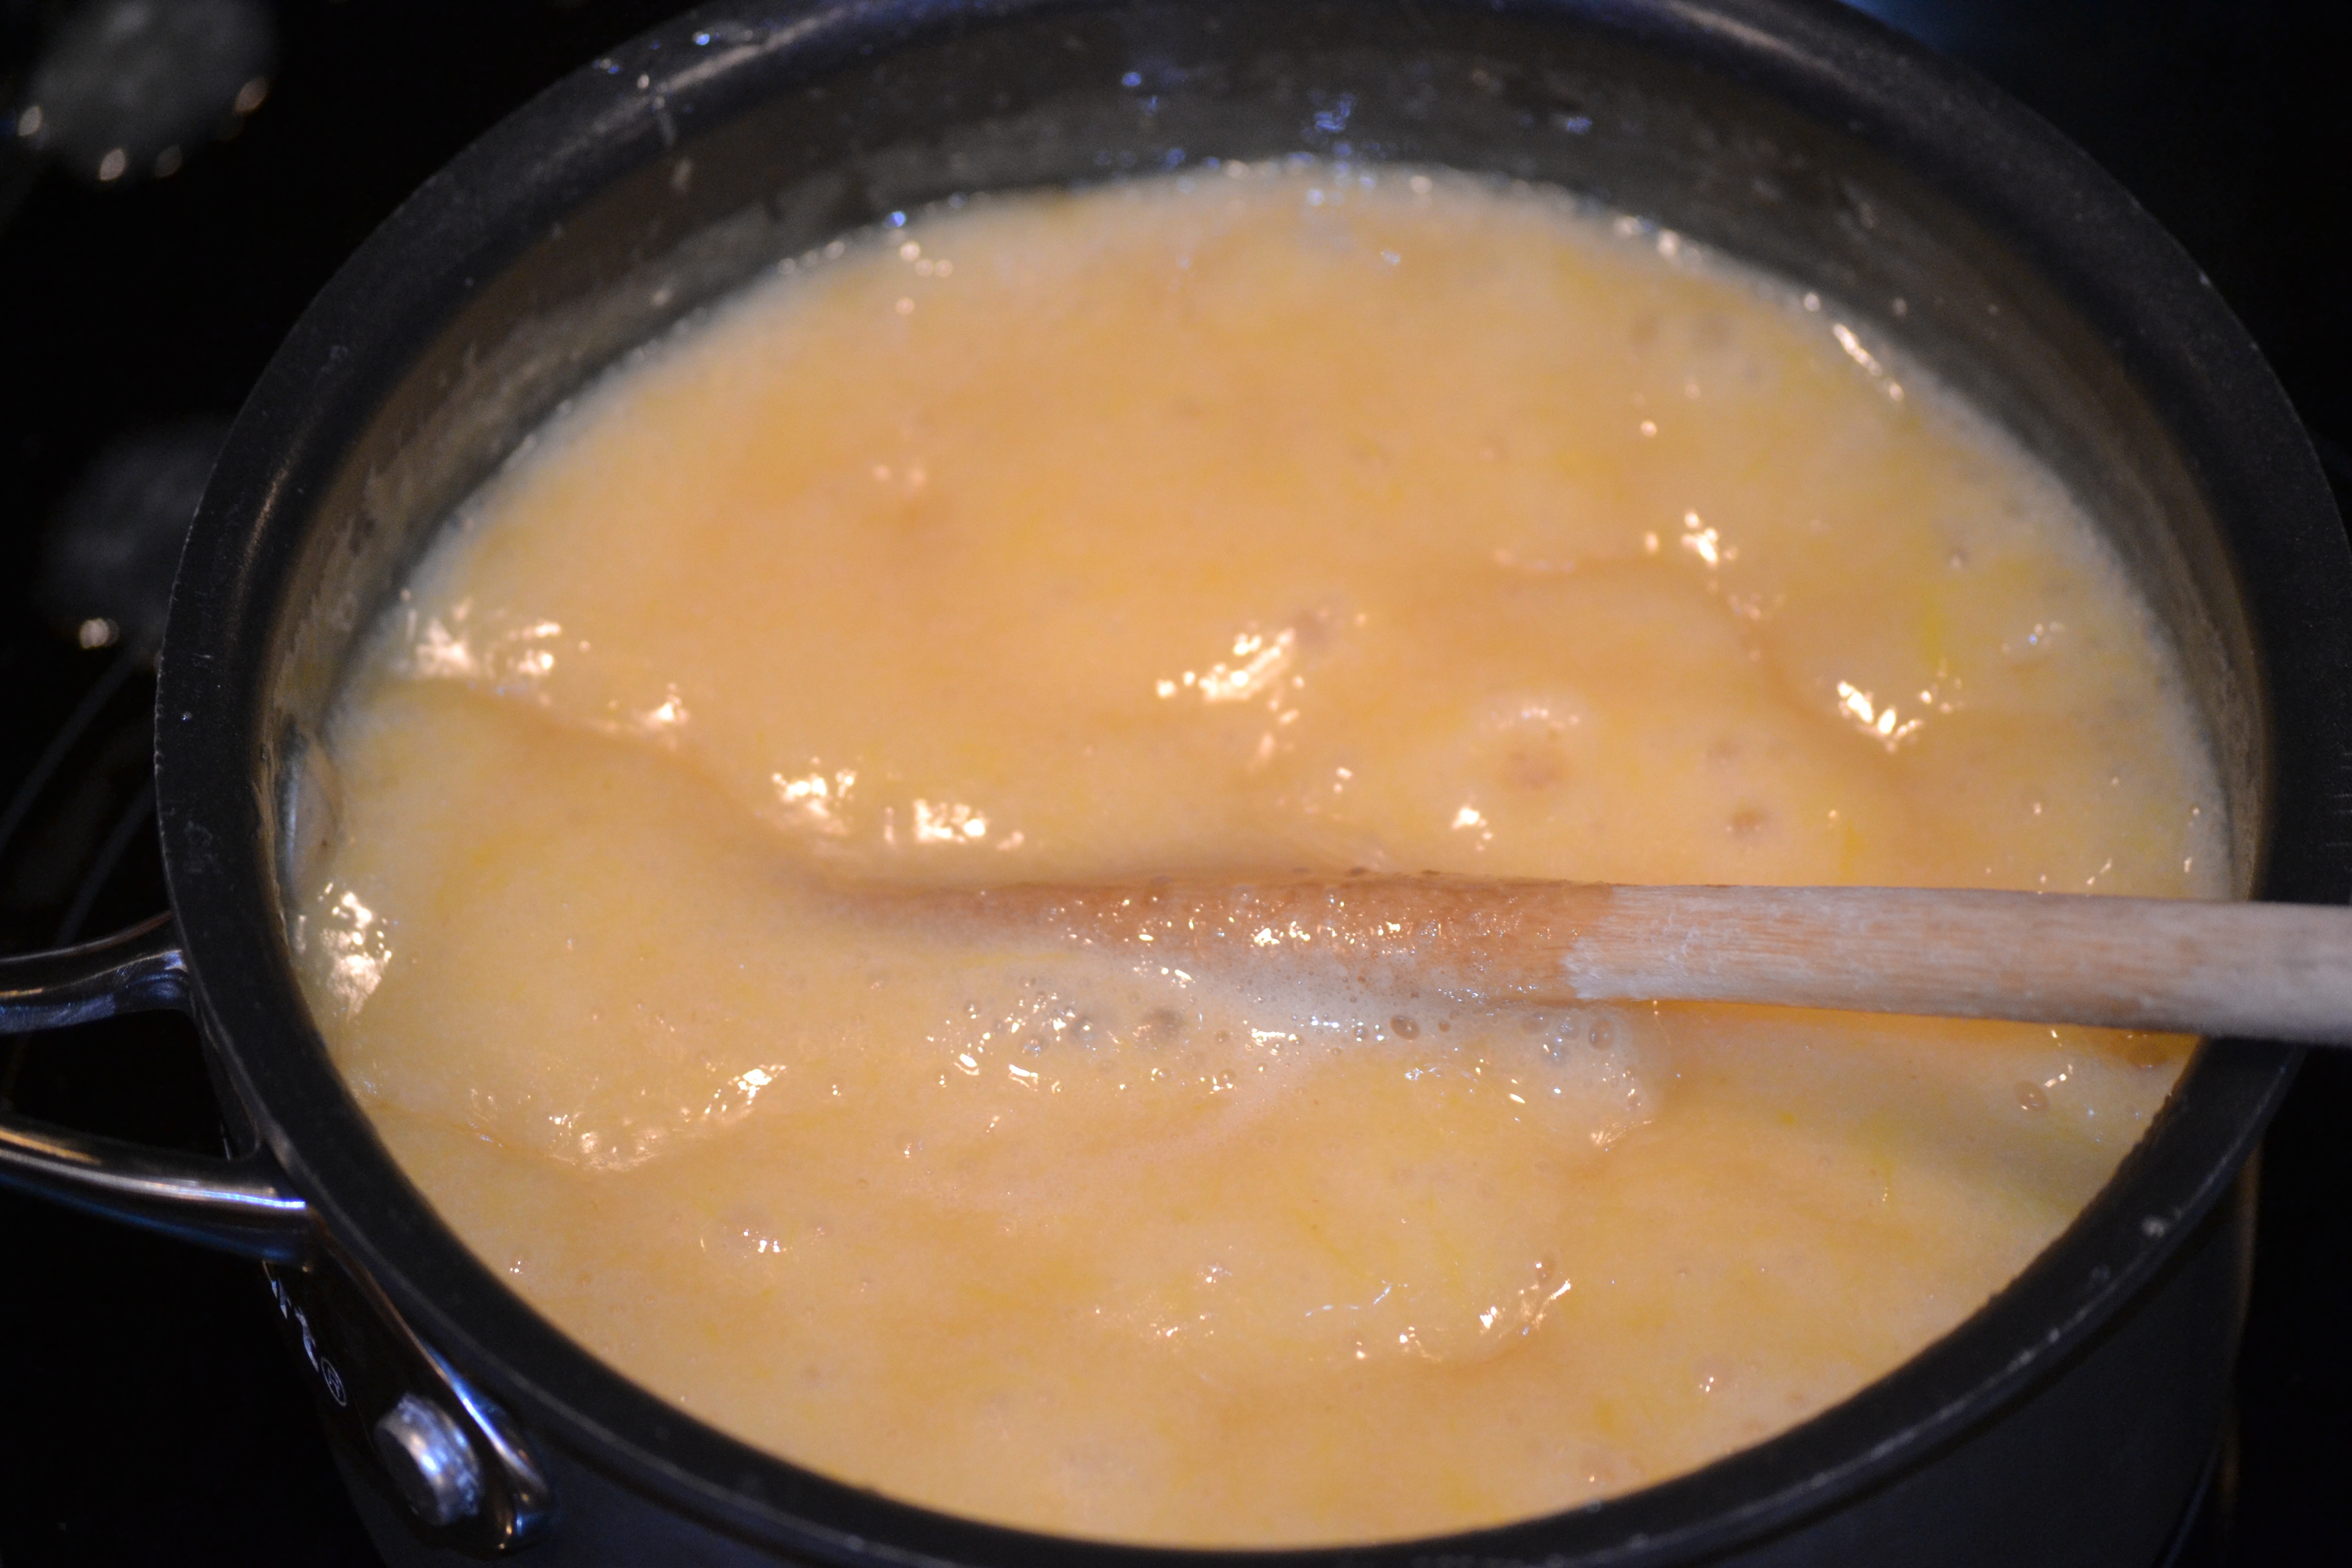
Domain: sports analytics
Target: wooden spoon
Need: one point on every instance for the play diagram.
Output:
(2267, 971)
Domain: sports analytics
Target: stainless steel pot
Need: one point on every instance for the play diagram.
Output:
(2067, 1422)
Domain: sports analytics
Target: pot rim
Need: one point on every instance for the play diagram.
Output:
(2064, 217)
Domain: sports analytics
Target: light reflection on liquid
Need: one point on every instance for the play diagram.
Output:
(1705, 542)
(1882, 722)
(1259, 662)
(357, 947)
(817, 799)
(1851, 345)
(949, 821)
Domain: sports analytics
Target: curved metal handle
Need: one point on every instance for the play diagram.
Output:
(135, 971)
(468, 1474)
(241, 1205)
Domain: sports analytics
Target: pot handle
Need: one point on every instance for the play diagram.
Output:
(242, 1205)
(467, 1474)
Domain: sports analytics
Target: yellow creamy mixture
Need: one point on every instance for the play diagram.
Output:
(1290, 517)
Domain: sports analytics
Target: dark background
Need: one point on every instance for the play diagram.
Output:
(147, 1413)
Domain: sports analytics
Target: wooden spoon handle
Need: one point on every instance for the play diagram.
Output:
(2269, 971)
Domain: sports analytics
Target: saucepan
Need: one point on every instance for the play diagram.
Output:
(2068, 1421)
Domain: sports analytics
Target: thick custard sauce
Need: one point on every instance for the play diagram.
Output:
(1292, 516)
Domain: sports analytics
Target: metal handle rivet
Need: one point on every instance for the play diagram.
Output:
(429, 1461)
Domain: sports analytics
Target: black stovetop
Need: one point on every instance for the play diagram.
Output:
(148, 1413)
